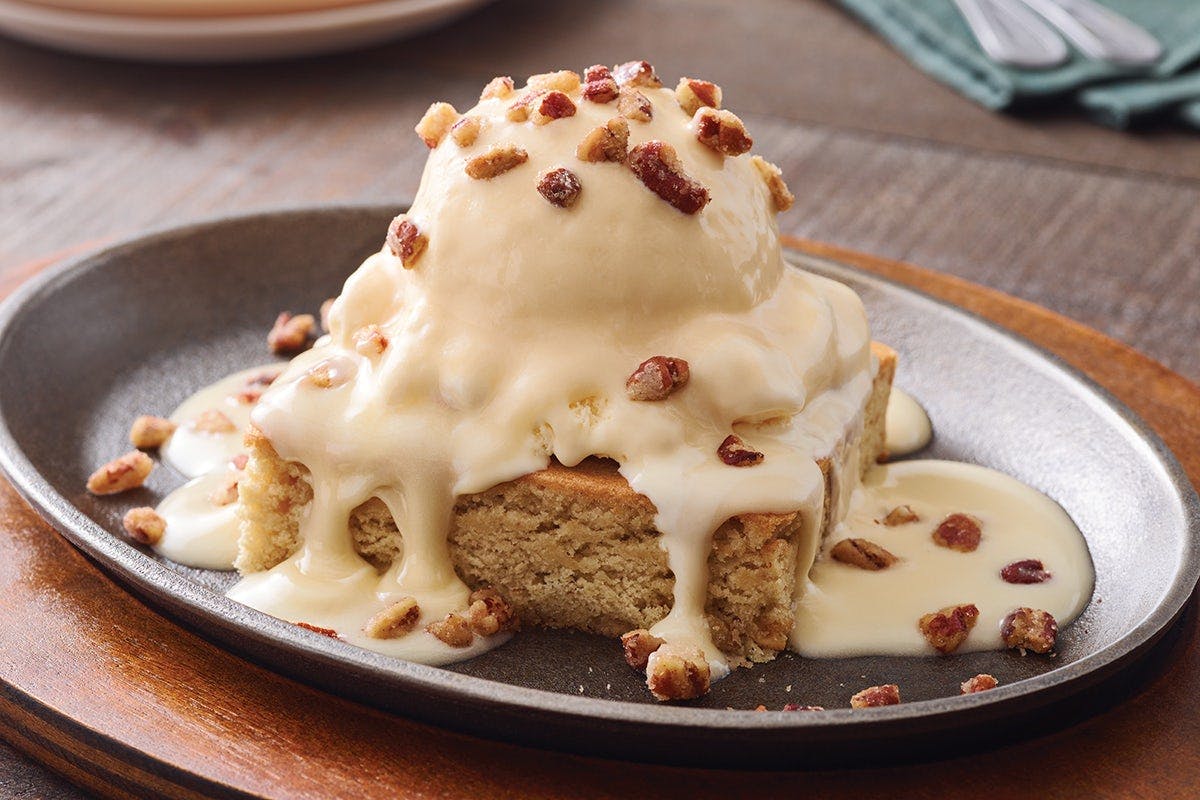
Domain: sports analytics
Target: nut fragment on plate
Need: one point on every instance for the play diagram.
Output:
(406, 241)
(694, 94)
(632, 104)
(722, 131)
(121, 474)
(862, 553)
(330, 632)
(875, 696)
(370, 340)
(489, 613)
(564, 80)
(496, 161)
(396, 620)
(949, 627)
(1029, 629)
(501, 87)
(226, 492)
(253, 387)
(657, 378)
(608, 142)
(290, 333)
(796, 707)
(144, 525)
(677, 673)
(638, 645)
(1028, 570)
(559, 186)
(148, 432)
(466, 130)
(212, 421)
(436, 123)
(781, 196)
(980, 683)
(960, 532)
(658, 167)
(736, 453)
(901, 515)
(636, 73)
(454, 630)
(599, 85)
(551, 106)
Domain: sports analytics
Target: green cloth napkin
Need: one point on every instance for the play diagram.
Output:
(934, 36)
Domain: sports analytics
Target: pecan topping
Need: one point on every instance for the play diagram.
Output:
(862, 553)
(148, 432)
(466, 131)
(454, 630)
(212, 421)
(290, 334)
(900, 515)
(564, 81)
(436, 123)
(226, 491)
(960, 532)
(406, 241)
(874, 696)
(551, 106)
(394, 621)
(599, 85)
(1028, 571)
(634, 105)
(500, 87)
(1029, 629)
(736, 453)
(781, 196)
(489, 613)
(498, 160)
(518, 110)
(980, 683)
(330, 373)
(255, 385)
(722, 131)
(638, 645)
(794, 707)
(658, 167)
(144, 525)
(948, 628)
(636, 73)
(609, 142)
(694, 95)
(121, 474)
(370, 340)
(674, 673)
(308, 626)
(559, 186)
(323, 314)
(656, 378)
(239, 461)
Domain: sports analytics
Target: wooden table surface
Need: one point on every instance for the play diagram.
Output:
(1100, 226)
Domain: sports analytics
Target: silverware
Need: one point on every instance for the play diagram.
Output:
(1012, 34)
(1099, 32)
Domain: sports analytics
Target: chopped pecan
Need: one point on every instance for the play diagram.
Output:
(657, 378)
(551, 106)
(559, 186)
(609, 142)
(330, 373)
(638, 645)
(239, 461)
(960, 532)
(500, 87)
(370, 340)
(144, 525)
(980, 683)
(323, 314)
(226, 491)
(308, 626)
(676, 673)
(599, 85)
(874, 696)
(632, 104)
(454, 630)
(900, 515)
(636, 73)
(498, 160)
(466, 130)
(489, 613)
(212, 421)
(736, 453)
(121, 474)
(564, 80)
(1029, 570)
(781, 196)
(149, 432)
(722, 131)
(255, 385)
(396, 620)
(795, 707)
(862, 553)
(436, 123)
(658, 167)
(948, 628)
(694, 95)
(290, 334)
(518, 110)
(406, 241)
(1029, 629)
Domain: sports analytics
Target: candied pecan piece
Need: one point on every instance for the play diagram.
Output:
(676, 673)
(599, 85)
(1029, 629)
(290, 334)
(781, 196)
(638, 645)
(795, 707)
(308, 626)
(551, 106)
(498, 160)
(1029, 570)
(454, 630)
(636, 73)
(226, 491)
(144, 525)
(722, 131)
(466, 130)
(330, 373)
(212, 421)
(406, 241)
(980, 683)
(500, 87)
(559, 186)
(489, 613)
(370, 340)
(564, 80)
(948, 628)
(632, 104)
(960, 532)
(694, 95)
(658, 167)
(608, 142)
(875, 696)
(149, 432)
(901, 515)
(255, 385)
(436, 123)
(862, 553)
(394, 621)
(239, 461)
(656, 378)
(736, 453)
(121, 474)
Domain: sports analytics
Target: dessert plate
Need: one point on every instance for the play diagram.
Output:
(137, 327)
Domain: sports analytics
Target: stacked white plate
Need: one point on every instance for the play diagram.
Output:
(220, 30)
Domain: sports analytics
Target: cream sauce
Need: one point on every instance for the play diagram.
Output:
(906, 426)
(199, 532)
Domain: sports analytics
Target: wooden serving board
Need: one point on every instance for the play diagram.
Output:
(123, 701)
